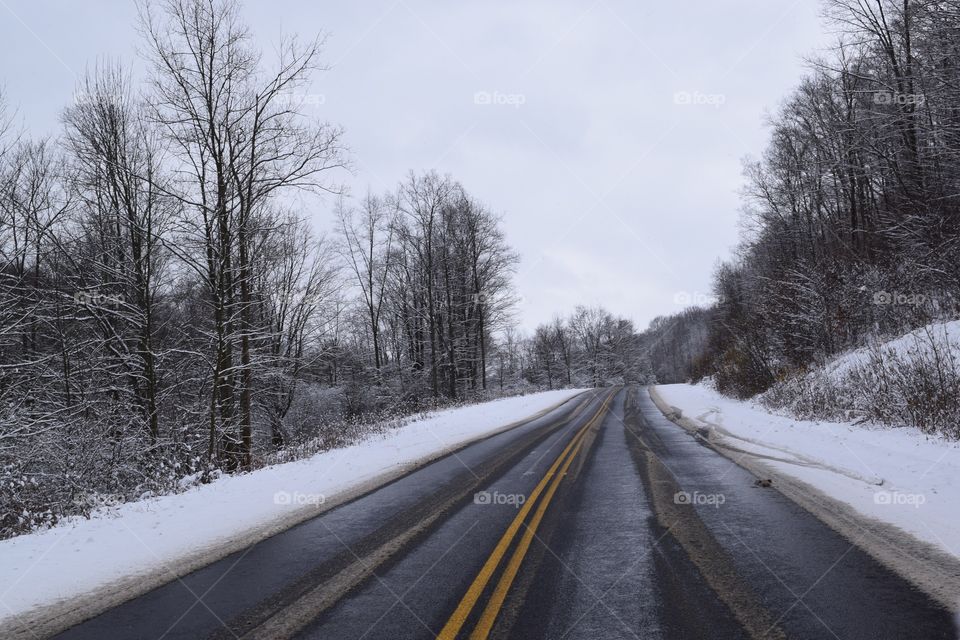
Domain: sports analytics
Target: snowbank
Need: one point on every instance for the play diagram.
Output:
(157, 535)
(899, 476)
(916, 344)
(913, 380)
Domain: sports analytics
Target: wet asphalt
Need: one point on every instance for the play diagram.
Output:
(612, 558)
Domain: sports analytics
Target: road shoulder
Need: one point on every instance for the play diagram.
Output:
(56, 615)
(925, 566)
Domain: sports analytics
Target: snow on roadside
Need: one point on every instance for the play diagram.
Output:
(81, 555)
(909, 345)
(897, 475)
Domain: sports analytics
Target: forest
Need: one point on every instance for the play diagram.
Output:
(851, 221)
(168, 312)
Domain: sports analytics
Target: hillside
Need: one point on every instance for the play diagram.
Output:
(910, 380)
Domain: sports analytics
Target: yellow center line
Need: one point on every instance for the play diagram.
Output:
(490, 612)
(469, 600)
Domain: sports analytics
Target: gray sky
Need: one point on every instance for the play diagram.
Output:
(609, 134)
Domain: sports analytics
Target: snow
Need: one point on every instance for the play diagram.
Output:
(897, 475)
(150, 536)
(908, 346)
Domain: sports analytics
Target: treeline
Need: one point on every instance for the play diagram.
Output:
(674, 346)
(853, 224)
(166, 312)
(433, 269)
(589, 348)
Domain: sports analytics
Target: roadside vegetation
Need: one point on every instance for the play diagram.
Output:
(167, 310)
(168, 313)
(852, 233)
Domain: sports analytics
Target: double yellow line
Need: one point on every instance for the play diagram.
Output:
(470, 598)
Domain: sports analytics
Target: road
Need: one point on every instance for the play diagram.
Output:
(600, 519)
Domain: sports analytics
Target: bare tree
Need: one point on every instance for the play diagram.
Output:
(240, 140)
(298, 281)
(421, 200)
(116, 173)
(367, 246)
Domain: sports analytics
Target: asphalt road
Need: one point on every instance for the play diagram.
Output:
(601, 519)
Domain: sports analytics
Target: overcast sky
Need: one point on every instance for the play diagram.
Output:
(608, 134)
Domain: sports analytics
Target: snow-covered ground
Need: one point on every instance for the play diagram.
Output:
(912, 346)
(897, 475)
(912, 379)
(152, 536)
